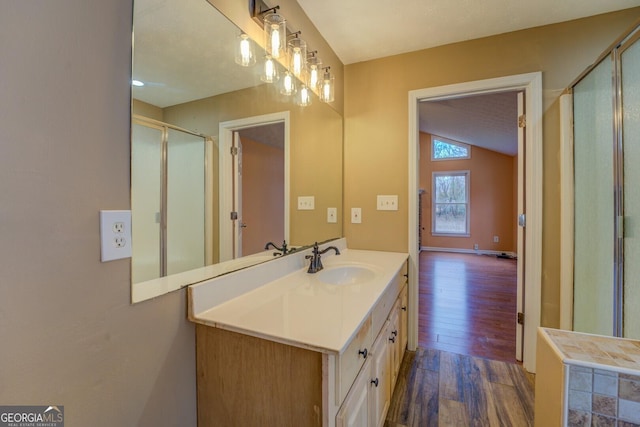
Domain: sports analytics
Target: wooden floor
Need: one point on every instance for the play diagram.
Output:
(442, 389)
(464, 373)
(468, 304)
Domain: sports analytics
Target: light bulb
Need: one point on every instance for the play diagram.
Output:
(270, 74)
(305, 96)
(288, 85)
(326, 89)
(297, 62)
(244, 51)
(313, 76)
(275, 41)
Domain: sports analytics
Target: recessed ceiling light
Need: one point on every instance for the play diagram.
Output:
(137, 83)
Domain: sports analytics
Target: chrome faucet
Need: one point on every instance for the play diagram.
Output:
(283, 249)
(316, 261)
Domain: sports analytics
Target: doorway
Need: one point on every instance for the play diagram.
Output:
(471, 191)
(531, 84)
(234, 219)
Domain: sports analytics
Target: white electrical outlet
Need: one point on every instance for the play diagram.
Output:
(496, 239)
(387, 203)
(306, 203)
(356, 215)
(115, 235)
(332, 215)
(475, 246)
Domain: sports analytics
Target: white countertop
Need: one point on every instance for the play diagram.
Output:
(297, 308)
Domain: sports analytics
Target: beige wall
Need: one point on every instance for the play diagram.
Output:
(68, 333)
(491, 198)
(376, 121)
(315, 152)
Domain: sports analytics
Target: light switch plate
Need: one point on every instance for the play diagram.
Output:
(387, 203)
(115, 235)
(356, 215)
(306, 203)
(332, 215)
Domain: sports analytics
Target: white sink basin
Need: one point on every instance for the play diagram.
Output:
(346, 275)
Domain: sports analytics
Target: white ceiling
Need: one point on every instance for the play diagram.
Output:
(360, 30)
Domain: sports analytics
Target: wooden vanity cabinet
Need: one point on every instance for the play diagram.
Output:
(370, 396)
(247, 381)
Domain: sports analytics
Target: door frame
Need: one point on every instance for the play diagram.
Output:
(225, 163)
(531, 84)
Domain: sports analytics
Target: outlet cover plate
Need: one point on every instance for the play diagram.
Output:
(332, 215)
(356, 215)
(115, 235)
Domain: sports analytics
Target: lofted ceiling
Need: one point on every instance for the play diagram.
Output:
(488, 121)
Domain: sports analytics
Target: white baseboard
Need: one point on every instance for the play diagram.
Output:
(468, 251)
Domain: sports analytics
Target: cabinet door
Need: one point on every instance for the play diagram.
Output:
(355, 409)
(403, 321)
(394, 339)
(380, 382)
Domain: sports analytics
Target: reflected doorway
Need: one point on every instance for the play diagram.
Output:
(254, 195)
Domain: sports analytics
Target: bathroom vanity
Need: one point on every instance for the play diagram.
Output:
(279, 346)
(584, 380)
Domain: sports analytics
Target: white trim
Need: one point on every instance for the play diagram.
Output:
(225, 162)
(531, 83)
(468, 251)
(566, 212)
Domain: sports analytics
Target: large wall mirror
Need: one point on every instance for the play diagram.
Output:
(218, 158)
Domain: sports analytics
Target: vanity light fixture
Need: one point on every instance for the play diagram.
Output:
(303, 97)
(327, 86)
(297, 49)
(314, 66)
(288, 85)
(245, 53)
(275, 30)
(269, 70)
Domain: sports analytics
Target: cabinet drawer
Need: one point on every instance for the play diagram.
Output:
(353, 358)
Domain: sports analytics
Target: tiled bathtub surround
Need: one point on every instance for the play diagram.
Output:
(602, 397)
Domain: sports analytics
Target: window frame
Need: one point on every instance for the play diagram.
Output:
(467, 203)
(452, 142)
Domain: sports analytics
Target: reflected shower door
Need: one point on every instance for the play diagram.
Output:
(630, 70)
(594, 202)
(185, 202)
(167, 200)
(146, 200)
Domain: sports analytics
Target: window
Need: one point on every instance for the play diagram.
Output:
(448, 149)
(450, 204)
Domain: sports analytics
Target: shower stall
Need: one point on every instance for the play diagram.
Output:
(168, 199)
(606, 162)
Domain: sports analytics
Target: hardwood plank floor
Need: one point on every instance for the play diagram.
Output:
(464, 373)
(468, 304)
(442, 389)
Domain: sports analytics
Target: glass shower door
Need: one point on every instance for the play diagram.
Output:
(146, 201)
(594, 202)
(630, 73)
(185, 202)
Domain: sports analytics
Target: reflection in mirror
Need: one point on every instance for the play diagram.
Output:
(197, 209)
